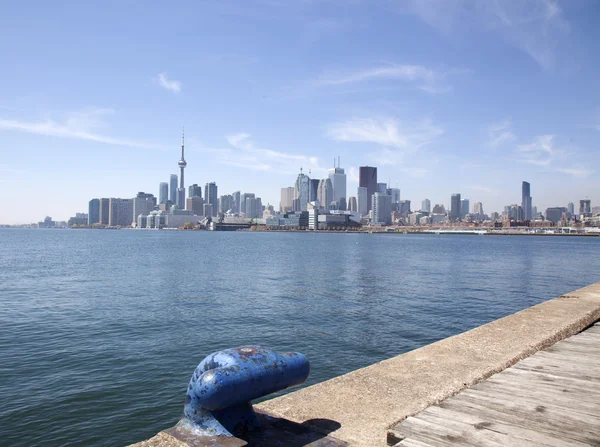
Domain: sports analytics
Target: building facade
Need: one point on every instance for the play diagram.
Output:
(337, 176)
(526, 201)
(195, 191)
(352, 204)
(286, 203)
(455, 211)
(195, 204)
(361, 201)
(368, 179)
(93, 212)
(173, 188)
(465, 206)
(104, 211)
(210, 197)
(302, 191)
(585, 207)
(120, 212)
(325, 193)
(426, 206)
(142, 204)
(163, 192)
(382, 208)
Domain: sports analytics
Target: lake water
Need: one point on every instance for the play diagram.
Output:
(100, 331)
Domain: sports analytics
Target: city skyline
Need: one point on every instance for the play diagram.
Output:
(476, 102)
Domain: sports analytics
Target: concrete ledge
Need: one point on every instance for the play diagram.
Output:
(370, 400)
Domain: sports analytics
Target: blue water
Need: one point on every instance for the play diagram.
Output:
(100, 331)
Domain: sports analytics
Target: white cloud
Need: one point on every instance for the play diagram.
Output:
(539, 152)
(536, 27)
(500, 134)
(575, 171)
(163, 81)
(80, 125)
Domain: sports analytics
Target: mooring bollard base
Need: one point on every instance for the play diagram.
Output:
(274, 432)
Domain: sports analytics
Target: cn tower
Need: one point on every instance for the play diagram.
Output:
(182, 163)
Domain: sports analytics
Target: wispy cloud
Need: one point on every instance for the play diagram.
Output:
(535, 26)
(500, 134)
(165, 82)
(82, 125)
(479, 188)
(539, 152)
(576, 171)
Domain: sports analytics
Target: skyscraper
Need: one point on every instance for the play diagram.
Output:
(465, 206)
(352, 204)
(142, 204)
(478, 208)
(302, 190)
(195, 191)
(426, 206)
(225, 203)
(94, 212)
(181, 190)
(163, 192)
(526, 201)
(236, 202)
(104, 211)
(338, 182)
(585, 207)
(382, 208)
(325, 193)
(173, 188)
(195, 204)
(455, 206)
(362, 202)
(382, 188)
(368, 179)
(395, 193)
(243, 198)
(313, 193)
(210, 197)
(287, 199)
(120, 212)
(571, 208)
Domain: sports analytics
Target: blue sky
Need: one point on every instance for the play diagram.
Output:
(442, 96)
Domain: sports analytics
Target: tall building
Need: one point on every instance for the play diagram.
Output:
(208, 210)
(104, 211)
(382, 208)
(287, 199)
(382, 188)
(426, 206)
(395, 193)
(362, 202)
(210, 197)
(526, 201)
(173, 188)
(465, 206)
(313, 193)
(302, 190)
(142, 204)
(534, 211)
(585, 207)
(517, 213)
(554, 214)
(571, 208)
(404, 208)
(352, 204)
(253, 207)
(225, 203)
(163, 192)
(93, 212)
(243, 197)
(338, 182)
(439, 209)
(368, 179)
(195, 204)
(455, 206)
(478, 208)
(236, 202)
(195, 191)
(181, 190)
(325, 193)
(120, 212)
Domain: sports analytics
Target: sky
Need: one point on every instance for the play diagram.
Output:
(443, 96)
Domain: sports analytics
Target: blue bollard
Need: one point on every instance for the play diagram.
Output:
(218, 400)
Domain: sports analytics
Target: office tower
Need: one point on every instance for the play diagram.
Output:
(517, 213)
(195, 204)
(195, 191)
(526, 201)
(226, 203)
(120, 212)
(534, 212)
(455, 207)
(395, 193)
(243, 198)
(208, 210)
(173, 188)
(236, 202)
(382, 208)
(426, 206)
(352, 204)
(253, 207)
(585, 207)
(142, 204)
(302, 190)
(163, 192)
(287, 198)
(464, 207)
(338, 182)
(554, 214)
(439, 209)
(382, 188)
(361, 201)
(571, 208)
(368, 179)
(404, 208)
(313, 193)
(210, 197)
(104, 211)
(325, 193)
(93, 212)
(478, 208)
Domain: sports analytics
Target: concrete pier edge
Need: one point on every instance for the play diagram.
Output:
(367, 402)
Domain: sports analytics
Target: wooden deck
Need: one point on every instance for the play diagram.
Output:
(549, 399)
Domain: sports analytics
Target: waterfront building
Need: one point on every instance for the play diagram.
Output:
(173, 188)
(382, 188)
(352, 204)
(325, 193)
(93, 212)
(455, 211)
(120, 212)
(236, 202)
(207, 210)
(368, 179)
(163, 192)
(253, 207)
(554, 214)
(210, 197)
(226, 203)
(156, 220)
(526, 201)
(104, 211)
(404, 208)
(79, 219)
(361, 201)
(287, 199)
(337, 176)
(571, 208)
(395, 193)
(439, 209)
(302, 190)
(478, 208)
(243, 198)
(465, 206)
(517, 213)
(382, 208)
(313, 193)
(585, 207)
(195, 204)
(141, 221)
(195, 191)
(142, 204)
(426, 206)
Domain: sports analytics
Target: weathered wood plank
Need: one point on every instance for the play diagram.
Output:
(413, 443)
(572, 356)
(418, 430)
(559, 373)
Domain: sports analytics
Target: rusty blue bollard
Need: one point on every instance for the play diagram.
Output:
(218, 400)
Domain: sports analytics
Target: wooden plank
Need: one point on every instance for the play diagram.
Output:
(545, 418)
(448, 416)
(568, 347)
(574, 356)
(520, 377)
(559, 373)
(417, 430)
(545, 376)
(413, 443)
(558, 366)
